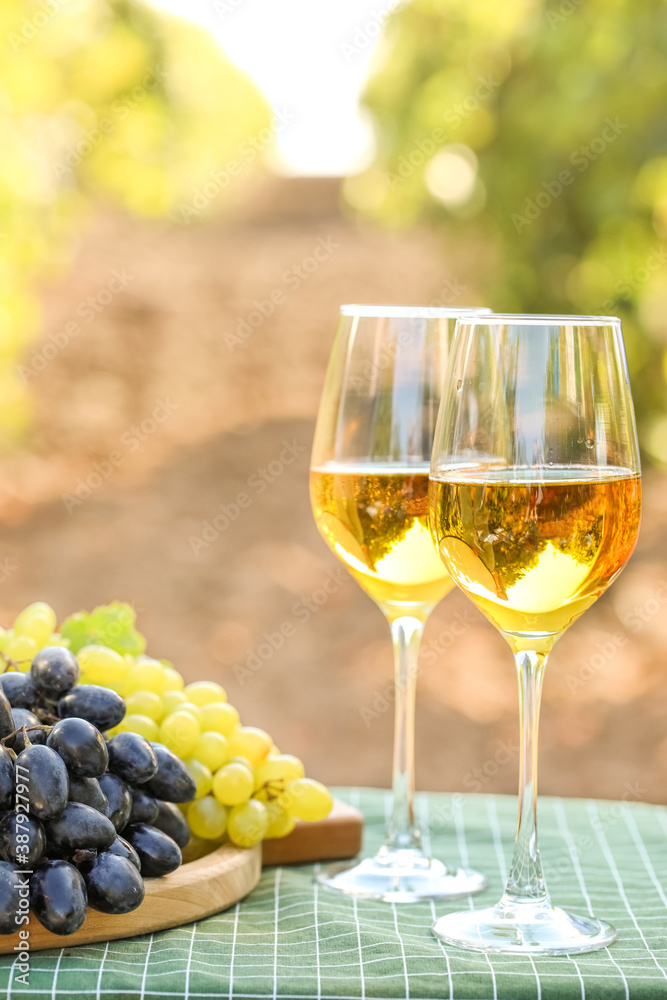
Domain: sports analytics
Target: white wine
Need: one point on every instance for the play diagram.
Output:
(534, 554)
(375, 518)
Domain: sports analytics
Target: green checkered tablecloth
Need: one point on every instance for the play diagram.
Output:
(290, 938)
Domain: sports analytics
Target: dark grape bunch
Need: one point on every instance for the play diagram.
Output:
(67, 793)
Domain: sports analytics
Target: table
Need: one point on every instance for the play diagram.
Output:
(290, 938)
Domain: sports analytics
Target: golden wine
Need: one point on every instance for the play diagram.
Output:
(533, 555)
(375, 518)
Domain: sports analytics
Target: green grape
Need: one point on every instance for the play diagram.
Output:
(280, 821)
(233, 784)
(101, 665)
(37, 621)
(207, 818)
(171, 700)
(307, 799)
(280, 767)
(180, 733)
(205, 692)
(246, 763)
(145, 703)
(247, 823)
(21, 649)
(173, 680)
(146, 675)
(138, 724)
(212, 750)
(202, 775)
(56, 639)
(5, 635)
(251, 743)
(194, 710)
(220, 717)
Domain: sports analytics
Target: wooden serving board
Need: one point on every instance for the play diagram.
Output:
(337, 836)
(213, 881)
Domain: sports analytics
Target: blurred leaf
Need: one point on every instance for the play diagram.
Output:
(563, 106)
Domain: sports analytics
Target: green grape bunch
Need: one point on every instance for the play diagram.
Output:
(246, 789)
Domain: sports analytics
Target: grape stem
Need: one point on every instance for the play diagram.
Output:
(270, 793)
(14, 664)
(25, 729)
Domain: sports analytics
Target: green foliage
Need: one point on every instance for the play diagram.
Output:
(107, 625)
(103, 99)
(538, 129)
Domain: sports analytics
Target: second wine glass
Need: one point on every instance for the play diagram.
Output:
(535, 507)
(369, 490)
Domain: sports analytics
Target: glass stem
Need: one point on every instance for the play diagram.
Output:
(403, 832)
(526, 881)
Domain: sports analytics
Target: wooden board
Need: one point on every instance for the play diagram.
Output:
(195, 890)
(210, 883)
(337, 836)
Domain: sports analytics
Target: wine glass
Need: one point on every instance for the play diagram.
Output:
(535, 500)
(369, 491)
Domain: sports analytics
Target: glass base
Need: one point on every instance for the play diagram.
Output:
(524, 929)
(401, 877)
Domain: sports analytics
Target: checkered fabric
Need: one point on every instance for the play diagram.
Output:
(291, 938)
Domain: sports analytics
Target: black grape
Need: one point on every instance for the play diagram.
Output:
(100, 706)
(144, 808)
(159, 854)
(19, 689)
(22, 717)
(173, 782)
(124, 850)
(132, 758)
(88, 791)
(171, 821)
(6, 718)
(81, 746)
(6, 779)
(113, 884)
(77, 827)
(58, 897)
(9, 898)
(54, 671)
(119, 799)
(14, 828)
(46, 783)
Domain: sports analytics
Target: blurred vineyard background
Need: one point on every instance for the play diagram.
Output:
(167, 306)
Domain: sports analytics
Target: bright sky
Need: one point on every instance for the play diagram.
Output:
(310, 57)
